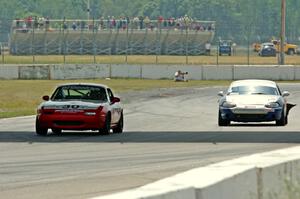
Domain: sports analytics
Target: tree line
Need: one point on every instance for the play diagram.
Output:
(240, 20)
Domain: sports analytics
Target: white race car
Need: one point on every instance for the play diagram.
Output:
(253, 101)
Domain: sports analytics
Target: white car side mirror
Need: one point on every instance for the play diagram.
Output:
(221, 94)
(285, 94)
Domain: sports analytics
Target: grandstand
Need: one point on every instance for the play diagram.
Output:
(94, 39)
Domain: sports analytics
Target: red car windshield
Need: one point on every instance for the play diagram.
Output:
(81, 93)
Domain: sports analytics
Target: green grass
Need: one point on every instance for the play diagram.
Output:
(145, 59)
(21, 97)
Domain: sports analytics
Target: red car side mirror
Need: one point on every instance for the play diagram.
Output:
(115, 99)
(46, 98)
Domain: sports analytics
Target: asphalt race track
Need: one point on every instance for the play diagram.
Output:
(166, 132)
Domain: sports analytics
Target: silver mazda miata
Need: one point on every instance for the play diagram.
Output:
(253, 101)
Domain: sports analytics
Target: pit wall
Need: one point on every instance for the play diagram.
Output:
(195, 72)
(272, 175)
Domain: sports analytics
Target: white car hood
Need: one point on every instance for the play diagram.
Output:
(252, 99)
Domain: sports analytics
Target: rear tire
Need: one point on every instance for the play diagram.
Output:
(221, 121)
(119, 127)
(39, 130)
(106, 129)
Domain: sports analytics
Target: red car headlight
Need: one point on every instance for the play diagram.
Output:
(89, 113)
(45, 110)
(93, 112)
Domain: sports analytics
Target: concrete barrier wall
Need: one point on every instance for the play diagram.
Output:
(150, 71)
(9, 72)
(168, 71)
(265, 72)
(79, 71)
(34, 72)
(123, 71)
(218, 72)
(262, 176)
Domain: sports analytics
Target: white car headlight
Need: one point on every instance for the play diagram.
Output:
(228, 104)
(272, 105)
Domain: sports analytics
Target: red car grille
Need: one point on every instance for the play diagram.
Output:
(68, 123)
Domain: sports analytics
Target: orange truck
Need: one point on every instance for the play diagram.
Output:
(289, 49)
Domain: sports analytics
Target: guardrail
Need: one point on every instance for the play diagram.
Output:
(271, 175)
(150, 71)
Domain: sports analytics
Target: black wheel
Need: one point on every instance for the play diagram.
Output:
(119, 127)
(106, 129)
(39, 130)
(290, 52)
(282, 121)
(56, 131)
(223, 122)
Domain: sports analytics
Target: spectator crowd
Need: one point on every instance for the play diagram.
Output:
(111, 22)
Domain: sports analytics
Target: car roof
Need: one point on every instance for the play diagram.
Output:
(83, 84)
(267, 44)
(253, 82)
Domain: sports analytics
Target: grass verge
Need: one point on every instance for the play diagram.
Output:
(146, 59)
(21, 97)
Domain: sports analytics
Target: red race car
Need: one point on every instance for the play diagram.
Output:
(80, 107)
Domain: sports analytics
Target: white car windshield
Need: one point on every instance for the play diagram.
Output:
(253, 90)
(81, 93)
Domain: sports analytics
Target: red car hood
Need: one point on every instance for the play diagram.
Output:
(70, 105)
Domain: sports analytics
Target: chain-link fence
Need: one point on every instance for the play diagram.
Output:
(136, 41)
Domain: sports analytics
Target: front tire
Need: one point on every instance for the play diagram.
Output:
(221, 121)
(56, 131)
(39, 130)
(119, 127)
(282, 121)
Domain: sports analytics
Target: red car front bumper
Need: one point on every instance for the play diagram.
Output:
(71, 120)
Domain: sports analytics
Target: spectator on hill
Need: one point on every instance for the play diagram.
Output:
(41, 22)
(179, 76)
(82, 25)
(74, 26)
(207, 48)
(141, 20)
(65, 25)
(147, 22)
(35, 22)
(160, 20)
(47, 23)
(101, 23)
(136, 22)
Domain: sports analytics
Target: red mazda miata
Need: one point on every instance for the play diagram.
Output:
(80, 107)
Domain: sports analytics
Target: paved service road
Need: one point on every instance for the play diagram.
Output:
(167, 131)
